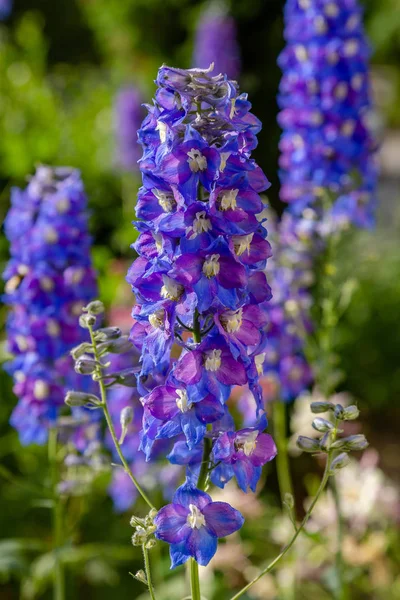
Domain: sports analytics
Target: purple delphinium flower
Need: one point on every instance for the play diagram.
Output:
(193, 523)
(128, 117)
(325, 102)
(49, 278)
(199, 279)
(216, 41)
(242, 454)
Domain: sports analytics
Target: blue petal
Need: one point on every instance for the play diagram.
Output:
(202, 545)
(178, 554)
(193, 429)
(188, 494)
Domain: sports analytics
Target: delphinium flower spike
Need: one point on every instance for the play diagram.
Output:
(327, 144)
(216, 40)
(199, 284)
(48, 280)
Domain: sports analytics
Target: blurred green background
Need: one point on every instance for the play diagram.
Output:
(61, 64)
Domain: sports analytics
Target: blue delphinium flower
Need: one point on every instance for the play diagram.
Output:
(128, 115)
(199, 282)
(325, 103)
(216, 41)
(193, 523)
(49, 278)
(5, 8)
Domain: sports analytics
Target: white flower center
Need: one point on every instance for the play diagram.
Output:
(51, 236)
(228, 200)
(351, 48)
(331, 10)
(162, 130)
(195, 518)
(241, 243)
(231, 320)
(211, 265)
(171, 289)
(165, 199)
(12, 284)
(182, 401)
(200, 224)
(246, 442)
(46, 284)
(301, 53)
(197, 162)
(22, 342)
(41, 390)
(63, 205)
(224, 157)
(53, 328)
(156, 319)
(348, 127)
(213, 360)
(158, 241)
(259, 360)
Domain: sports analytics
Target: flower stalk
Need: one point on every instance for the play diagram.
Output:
(58, 575)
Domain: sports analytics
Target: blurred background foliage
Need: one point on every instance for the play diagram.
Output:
(61, 64)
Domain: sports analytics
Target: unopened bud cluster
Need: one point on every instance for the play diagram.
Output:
(144, 530)
(88, 357)
(329, 442)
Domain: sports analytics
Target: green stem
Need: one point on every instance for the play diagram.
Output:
(286, 549)
(194, 580)
(148, 572)
(58, 580)
(339, 564)
(282, 458)
(201, 484)
(196, 327)
(103, 396)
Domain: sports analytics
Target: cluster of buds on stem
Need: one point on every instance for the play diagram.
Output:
(329, 443)
(144, 530)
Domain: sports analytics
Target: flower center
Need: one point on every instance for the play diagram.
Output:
(259, 360)
(195, 518)
(213, 360)
(53, 328)
(156, 319)
(162, 130)
(228, 200)
(246, 442)
(158, 241)
(241, 243)
(211, 265)
(46, 284)
(171, 289)
(165, 200)
(197, 162)
(51, 236)
(63, 205)
(200, 224)
(231, 320)
(12, 284)
(182, 401)
(41, 390)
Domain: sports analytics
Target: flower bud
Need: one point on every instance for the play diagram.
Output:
(326, 441)
(322, 425)
(307, 444)
(341, 461)
(351, 413)
(125, 419)
(339, 411)
(80, 350)
(150, 544)
(87, 321)
(352, 442)
(139, 538)
(321, 407)
(289, 501)
(85, 366)
(141, 576)
(136, 521)
(94, 308)
(107, 333)
(81, 399)
(118, 346)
